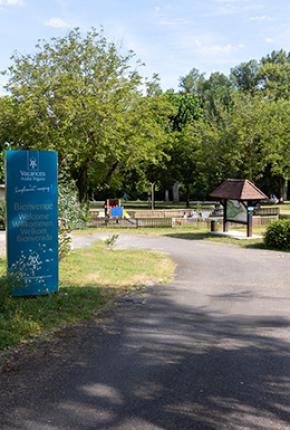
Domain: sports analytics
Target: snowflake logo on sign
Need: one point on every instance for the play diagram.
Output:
(33, 163)
(33, 261)
(32, 158)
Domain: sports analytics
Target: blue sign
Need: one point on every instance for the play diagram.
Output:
(32, 220)
(116, 212)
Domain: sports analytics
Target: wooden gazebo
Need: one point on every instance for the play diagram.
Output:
(239, 198)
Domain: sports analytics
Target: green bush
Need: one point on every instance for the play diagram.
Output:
(70, 210)
(71, 213)
(64, 242)
(8, 283)
(277, 235)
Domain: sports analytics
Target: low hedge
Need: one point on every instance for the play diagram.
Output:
(277, 235)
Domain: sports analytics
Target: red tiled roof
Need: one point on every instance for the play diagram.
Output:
(238, 189)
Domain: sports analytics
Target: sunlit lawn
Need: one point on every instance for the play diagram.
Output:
(89, 279)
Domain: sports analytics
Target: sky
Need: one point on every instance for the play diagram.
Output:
(171, 37)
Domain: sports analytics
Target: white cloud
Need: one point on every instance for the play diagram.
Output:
(206, 48)
(11, 2)
(259, 18)
(231, 1)
(234, 7)
(268, 40)
(208, 51)
(174, 22)
(56, 22)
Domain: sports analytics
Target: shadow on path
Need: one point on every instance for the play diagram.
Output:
(158, 366)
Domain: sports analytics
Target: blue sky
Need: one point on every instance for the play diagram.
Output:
(171, 37)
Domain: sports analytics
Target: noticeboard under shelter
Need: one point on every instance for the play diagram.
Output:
(239, 198)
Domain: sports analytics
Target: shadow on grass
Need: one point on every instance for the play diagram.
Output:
(245, 243)
(24, 317)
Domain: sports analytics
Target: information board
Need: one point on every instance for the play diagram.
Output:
(32, 220)
(236, 211)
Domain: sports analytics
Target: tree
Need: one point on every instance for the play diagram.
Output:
(215, 94)
(274, 79)
(251, 141)
(7, 123)
(80, 96)
(276, 57)
(153, 87)
(245, 76)
(191, 82)
(180, 165)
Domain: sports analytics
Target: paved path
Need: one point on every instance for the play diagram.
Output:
(210, 351)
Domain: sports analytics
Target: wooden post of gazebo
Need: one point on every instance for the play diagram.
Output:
(225, 223)
(239, 198)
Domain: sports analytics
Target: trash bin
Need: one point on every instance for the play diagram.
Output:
(213, 225)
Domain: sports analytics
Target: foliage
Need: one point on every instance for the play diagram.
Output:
(191, 82)
(277, 235)
(64, 242)
(245, 76)
(250, 140)
(8, 283)
(72, 213)
(80, 96)
(111, 241)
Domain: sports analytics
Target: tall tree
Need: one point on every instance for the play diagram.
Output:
(191, 82)
(245, 76)
(80, 96)
(215, 94)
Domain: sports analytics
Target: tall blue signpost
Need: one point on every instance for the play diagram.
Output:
(32, 220)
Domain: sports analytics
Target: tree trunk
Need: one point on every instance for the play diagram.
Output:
(283, 191)
(82, 182)
(167, 195)
(175, 190)
(187, 197)
(153, 195)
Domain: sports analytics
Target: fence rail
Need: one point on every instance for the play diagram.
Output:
(267, 212)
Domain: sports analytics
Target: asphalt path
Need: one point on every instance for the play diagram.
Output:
(210, 350)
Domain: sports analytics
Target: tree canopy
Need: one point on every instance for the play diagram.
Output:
(115, 130)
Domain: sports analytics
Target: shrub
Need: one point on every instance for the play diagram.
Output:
(72, 214)
(277, 235)
(70, 209)
(64, 242)
(8, 283)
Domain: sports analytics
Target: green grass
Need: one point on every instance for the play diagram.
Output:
(146, 231)
(181, 232)
(89, 279)
(205, 235)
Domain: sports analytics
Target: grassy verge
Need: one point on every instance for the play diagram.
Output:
(89, 279)
(183, 232)
(205, 235)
